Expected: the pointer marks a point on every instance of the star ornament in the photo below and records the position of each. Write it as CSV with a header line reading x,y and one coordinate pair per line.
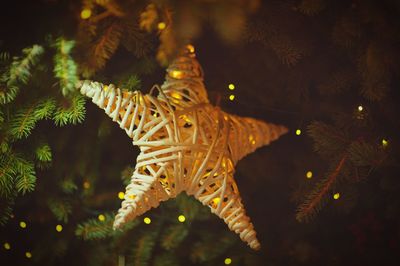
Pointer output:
x,y
186,144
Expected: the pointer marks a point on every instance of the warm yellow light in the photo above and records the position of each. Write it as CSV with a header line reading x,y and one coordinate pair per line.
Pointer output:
x,y
86,185
132,196
161,25
384,142
176,95
101,218
7,246
105,88
176,74
214,202
298,132
231,97
190,48
231,87
252,140
121,195
59,228
22,224
181,218
28,254
227,261
309,174
86,13
336,195
360,108
147,220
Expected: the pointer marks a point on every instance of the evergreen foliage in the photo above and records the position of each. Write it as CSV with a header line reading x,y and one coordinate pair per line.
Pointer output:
x,y
23,114
72,111
43,153
17,72
65,68
60,208
25,119
173,236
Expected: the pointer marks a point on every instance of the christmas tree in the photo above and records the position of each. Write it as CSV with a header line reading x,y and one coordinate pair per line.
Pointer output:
x,y
326,193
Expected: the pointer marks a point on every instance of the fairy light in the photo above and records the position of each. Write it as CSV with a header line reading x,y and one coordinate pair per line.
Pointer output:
x,y
227,261
336,196
176,95
132,196
231,97
121,195
231,87
216,201
176,74
161,25
252,140
147,220
101,217
86,185
7,246
181,218
360,108
190,48
86,13
28,254
309,174
59,228
385,142
298,132
22,224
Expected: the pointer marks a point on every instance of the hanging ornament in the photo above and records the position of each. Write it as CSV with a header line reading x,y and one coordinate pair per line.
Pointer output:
x,y
186,144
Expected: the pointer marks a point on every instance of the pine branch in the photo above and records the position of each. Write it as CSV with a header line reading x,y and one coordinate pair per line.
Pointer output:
x,y
135,40
328,140
7,92
211,247
94,229
6,210
43,153
20,69
65,68
24,121
149,17
314,200
60,208
363,154
126,175
173,236
337,82
4,56
144,248
103,49
68,186
25,179
166,259
7,174
132,83
18,73
72,113
190,207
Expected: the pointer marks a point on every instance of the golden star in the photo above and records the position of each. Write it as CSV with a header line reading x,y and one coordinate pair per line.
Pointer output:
x,y
186,144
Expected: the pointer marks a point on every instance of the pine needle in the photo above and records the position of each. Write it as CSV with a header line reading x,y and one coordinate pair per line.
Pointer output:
x,y
314,200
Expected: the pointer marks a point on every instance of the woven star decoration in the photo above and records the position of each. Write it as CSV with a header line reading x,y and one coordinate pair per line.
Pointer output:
x,y
186,144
